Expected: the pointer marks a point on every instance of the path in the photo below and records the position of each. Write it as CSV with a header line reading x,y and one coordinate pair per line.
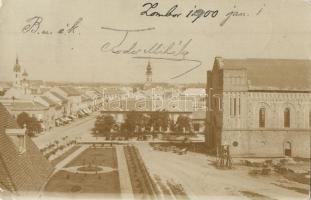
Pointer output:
x,y
69,158
125,182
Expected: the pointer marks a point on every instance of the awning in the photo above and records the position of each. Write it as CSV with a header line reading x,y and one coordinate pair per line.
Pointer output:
x,y
81,112
85,111
64,119
68,119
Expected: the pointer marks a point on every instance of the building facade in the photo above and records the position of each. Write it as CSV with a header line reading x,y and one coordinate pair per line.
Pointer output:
x,y
260,107
72,95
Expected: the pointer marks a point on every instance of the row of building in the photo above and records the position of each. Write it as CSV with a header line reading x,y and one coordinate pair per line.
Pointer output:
x,y
52,106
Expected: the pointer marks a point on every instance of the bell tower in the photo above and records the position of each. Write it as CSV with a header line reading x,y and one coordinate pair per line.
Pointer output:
x,y
148,75
17,79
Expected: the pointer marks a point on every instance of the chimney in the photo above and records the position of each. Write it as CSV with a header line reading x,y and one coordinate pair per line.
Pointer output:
x,y
18,136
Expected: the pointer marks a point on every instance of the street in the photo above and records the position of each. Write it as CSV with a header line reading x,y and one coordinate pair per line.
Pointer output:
x,y
78,128
200,178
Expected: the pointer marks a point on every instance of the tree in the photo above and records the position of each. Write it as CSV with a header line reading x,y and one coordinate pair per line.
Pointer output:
x,y
33,125
103,125
131,120
135,122
183,123
159,119
22,119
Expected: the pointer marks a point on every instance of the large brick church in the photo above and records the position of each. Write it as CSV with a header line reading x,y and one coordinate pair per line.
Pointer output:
x,y
260,107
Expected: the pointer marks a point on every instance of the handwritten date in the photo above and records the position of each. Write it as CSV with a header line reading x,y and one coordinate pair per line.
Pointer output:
x,y
152,10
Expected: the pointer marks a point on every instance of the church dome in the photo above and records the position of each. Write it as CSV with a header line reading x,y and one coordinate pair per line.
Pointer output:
x,y
25,73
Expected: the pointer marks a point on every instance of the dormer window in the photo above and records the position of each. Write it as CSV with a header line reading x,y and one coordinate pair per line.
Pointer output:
x,y
18,136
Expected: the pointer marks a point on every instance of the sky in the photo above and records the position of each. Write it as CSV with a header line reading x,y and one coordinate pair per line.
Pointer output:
x,y
268,29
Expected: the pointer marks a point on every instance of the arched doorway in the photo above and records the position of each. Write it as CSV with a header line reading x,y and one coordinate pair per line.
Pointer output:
x,y
287,149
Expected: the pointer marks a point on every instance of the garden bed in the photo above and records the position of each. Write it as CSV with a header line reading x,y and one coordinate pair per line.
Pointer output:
x,y
65,155
79,183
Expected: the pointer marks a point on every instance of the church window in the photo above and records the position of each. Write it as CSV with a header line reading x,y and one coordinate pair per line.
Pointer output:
x,y
286,118
231,106
234,106
239,106
262,117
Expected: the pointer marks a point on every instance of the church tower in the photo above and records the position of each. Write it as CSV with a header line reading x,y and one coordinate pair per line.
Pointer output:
x,y
24,79
17,79
148,75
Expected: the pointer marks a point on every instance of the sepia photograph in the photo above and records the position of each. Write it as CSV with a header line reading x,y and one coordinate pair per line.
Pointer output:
x,y
155,99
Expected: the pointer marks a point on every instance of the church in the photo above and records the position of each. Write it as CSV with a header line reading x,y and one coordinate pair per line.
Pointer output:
x,y
20,89
148,74
260,107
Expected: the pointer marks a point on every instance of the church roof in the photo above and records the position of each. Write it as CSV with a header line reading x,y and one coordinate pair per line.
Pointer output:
x,y
274,74
20,172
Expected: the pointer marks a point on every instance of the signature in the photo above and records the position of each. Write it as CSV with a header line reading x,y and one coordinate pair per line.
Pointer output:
x,y
34,25
175,49
172,51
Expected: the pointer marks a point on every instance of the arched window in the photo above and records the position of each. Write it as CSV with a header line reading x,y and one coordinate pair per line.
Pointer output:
x,y
286,118
262,117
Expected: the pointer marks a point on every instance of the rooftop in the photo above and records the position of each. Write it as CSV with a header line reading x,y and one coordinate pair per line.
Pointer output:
x,y
274,74
70,91
85,98
194,92
49,101
20,172
63,99
28,106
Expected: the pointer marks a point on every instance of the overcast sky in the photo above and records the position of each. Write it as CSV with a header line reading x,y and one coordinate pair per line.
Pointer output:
x,y
280,30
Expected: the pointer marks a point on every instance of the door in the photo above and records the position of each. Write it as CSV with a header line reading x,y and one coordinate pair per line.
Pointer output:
x,y
287,149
